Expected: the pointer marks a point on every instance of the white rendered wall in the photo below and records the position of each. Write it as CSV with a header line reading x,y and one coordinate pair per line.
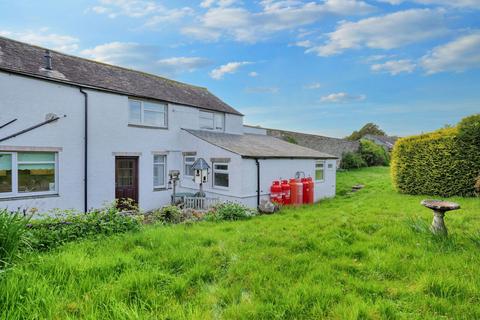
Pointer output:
x,y
29,101
206,151
276,169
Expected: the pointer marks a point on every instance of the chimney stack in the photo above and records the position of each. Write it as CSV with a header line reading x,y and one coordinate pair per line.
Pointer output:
x,y
48,60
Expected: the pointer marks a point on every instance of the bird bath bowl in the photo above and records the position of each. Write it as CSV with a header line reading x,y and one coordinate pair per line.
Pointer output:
x,y
439,208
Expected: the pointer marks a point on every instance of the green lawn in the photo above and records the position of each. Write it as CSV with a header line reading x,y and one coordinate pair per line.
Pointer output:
x,y
358,256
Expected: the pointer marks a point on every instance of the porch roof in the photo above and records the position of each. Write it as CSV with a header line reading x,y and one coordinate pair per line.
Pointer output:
x,y
258,146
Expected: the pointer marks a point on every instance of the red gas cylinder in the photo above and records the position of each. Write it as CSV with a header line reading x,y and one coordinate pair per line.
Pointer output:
x,y
276,192
311,197
306,190
296,192
286,192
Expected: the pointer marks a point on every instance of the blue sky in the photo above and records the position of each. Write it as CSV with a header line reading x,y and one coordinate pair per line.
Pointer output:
x,y
323,67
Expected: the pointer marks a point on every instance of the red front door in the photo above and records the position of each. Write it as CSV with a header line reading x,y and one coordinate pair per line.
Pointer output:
x,y
126,178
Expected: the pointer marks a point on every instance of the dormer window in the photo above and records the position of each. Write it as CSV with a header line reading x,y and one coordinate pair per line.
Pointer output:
x,y
212,121
147,113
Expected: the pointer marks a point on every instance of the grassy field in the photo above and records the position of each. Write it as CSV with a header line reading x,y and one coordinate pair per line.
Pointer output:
x,y
366,255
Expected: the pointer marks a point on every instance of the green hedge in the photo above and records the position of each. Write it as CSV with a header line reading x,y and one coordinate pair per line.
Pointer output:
x,y
443,163
373,154
352,160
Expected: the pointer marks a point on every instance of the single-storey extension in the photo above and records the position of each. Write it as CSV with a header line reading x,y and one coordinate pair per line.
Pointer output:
x,y
75,134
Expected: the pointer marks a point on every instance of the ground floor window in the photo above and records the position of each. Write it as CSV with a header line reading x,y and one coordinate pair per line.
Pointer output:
x,y
28,173
220,175
188,162
159,170
319,170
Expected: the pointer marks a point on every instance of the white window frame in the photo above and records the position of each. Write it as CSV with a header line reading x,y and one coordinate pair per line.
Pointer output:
x,y
322,162
215,170
15,193
213,116
142,114
185,163
164,163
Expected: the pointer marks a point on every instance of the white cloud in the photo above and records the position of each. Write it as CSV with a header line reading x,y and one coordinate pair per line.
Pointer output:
x,y
342,97
44,38
385,32
253,74
313,86
304,44
458,55
119,53
177,65
474,4
170,15
220,3
230,67
207,3
100,9
134,55
153,11
249,26
394,67
129,8
270,90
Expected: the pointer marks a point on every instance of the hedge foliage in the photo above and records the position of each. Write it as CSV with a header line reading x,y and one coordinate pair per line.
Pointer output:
x,y
373,154
369,154
352,160
443,163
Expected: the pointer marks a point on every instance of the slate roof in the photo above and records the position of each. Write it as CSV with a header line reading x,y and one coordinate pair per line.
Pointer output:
x,y
333,146
258,146
19,57
388,141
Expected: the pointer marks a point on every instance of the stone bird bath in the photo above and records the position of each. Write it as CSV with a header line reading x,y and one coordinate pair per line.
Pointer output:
x,y
439,208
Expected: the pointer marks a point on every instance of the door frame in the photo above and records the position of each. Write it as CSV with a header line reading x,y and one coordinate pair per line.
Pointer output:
x,y
137,175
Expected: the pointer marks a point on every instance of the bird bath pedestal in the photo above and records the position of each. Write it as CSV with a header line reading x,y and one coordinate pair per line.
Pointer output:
x,y
439,208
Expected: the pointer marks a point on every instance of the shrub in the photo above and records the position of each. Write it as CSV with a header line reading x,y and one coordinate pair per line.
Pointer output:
x,y
373,154
290,139
352,160
65,226
13,236
169,214
230,211
444,162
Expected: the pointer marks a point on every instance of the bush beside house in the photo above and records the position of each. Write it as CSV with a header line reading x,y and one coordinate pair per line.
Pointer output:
x,y
368,155
443,163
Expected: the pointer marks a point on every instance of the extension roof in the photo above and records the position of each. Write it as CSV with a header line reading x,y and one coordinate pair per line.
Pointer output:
x,y
26,59
258,146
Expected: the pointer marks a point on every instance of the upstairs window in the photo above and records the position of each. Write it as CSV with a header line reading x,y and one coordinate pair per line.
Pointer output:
x,y
28,173
212,121
319,170
147,113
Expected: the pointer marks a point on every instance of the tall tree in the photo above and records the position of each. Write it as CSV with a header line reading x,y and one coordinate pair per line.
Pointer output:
x,y
369,128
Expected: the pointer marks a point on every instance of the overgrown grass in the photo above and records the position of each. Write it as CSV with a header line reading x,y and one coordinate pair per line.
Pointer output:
x,y
366,255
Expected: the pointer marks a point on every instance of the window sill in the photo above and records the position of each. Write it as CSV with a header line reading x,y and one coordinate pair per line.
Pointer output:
x,y
160,189
53,195
221,188
146,126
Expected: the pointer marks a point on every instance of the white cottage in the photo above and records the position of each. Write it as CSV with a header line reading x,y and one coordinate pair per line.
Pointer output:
x,y
75,133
